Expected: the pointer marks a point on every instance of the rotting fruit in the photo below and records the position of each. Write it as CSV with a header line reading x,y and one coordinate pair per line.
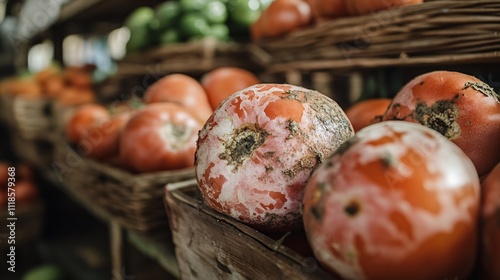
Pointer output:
x,y
256,152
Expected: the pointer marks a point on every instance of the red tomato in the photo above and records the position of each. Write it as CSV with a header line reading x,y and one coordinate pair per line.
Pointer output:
x,y
328,8
83,119
183,90
281,17
102,141
460,107
260,146
490,218
364,113
222,82
361,7
397,201
159,137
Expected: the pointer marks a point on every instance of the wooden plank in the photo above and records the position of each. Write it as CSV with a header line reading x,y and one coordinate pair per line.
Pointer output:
x,y
212,246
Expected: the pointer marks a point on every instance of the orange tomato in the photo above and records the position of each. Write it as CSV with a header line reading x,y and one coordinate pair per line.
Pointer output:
x,y
490,218
364,113
159,137
102,141
72,96
26,192
222,82
83,119
396,201
53,86
328,8
183,90
25,172
77,77
460,107
361,7
281,17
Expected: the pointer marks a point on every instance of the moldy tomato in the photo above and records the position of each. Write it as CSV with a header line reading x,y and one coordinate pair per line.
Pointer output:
x,y
460,107
159,137
258,149
397,201
490,218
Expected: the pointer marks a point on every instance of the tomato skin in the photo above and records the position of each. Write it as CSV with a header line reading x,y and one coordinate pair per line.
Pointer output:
x,y
26,192
361,7
395,199
490,223
83,119
183,90
258,149
364,113
459,106
328,8
159,137
4,175
281,17
102,141
220,83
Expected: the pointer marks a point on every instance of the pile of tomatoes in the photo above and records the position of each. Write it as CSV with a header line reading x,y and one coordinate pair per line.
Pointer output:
x,y
399,199
68,86
159,132
283,16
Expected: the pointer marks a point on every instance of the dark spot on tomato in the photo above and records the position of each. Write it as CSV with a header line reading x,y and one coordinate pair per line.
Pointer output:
x,y
352,208
484,89
346,145
387,160
316,213
269,154
293,127
241,145
441,117
421,83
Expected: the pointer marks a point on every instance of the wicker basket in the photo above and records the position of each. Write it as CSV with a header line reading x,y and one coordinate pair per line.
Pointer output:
x,y
39,151
435,32
135,201
210,245
30,117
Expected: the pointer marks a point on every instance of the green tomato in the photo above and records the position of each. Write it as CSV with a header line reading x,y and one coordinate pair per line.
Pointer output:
x,y
244,12
215,12
169,36
193,5
220,32
167,14
193,24
140,17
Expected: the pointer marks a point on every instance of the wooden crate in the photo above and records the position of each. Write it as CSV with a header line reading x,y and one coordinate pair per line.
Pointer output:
x,y
134,201
210,245
439,32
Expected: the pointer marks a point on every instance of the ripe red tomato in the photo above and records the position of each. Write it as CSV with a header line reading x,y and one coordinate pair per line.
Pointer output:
x,y
224,81
258,149
364,113
361,7
460,107
397,201
159,137
490,218
281,17
102,141
83,119
183,90
25,172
